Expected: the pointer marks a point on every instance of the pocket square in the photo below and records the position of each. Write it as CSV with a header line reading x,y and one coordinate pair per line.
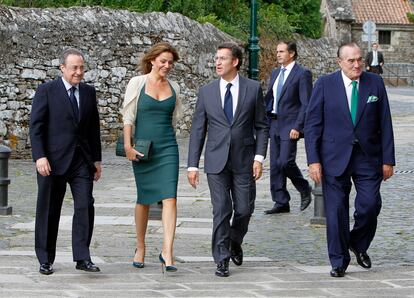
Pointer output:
x,y
372,98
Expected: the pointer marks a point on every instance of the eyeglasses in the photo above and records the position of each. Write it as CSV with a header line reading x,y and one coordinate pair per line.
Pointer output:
x,y
221,58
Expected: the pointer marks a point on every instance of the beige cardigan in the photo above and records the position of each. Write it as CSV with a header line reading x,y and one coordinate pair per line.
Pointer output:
x,y
131,97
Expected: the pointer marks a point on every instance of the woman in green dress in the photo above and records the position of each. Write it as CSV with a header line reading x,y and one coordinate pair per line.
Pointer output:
x,y
152,105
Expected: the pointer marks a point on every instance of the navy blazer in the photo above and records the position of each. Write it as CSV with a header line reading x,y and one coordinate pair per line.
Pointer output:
x,y
330,134
242,139
293,101
54,131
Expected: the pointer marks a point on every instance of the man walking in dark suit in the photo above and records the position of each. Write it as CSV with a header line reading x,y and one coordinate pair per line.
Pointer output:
x,y
348,136
374,60
231,111
287,98
66,146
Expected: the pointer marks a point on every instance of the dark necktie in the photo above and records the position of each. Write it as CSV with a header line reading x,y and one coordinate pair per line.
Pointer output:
x,y
228,104
354,101
74,102
279,87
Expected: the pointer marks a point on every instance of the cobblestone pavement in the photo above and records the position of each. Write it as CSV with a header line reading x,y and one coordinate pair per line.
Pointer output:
x,y
285,256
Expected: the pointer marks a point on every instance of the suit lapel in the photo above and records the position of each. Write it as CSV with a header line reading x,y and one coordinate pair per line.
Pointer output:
x,y
362,96
82,101
343,99
269,96
66,101
288,80
242,97
216,100
274,76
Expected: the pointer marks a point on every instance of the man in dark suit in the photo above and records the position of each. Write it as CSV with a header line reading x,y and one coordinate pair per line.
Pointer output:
x,y
348,136
374,60
290,87
232,111
66,146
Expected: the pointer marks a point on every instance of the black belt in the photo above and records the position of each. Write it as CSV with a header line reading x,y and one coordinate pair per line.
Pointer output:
x,y
272,116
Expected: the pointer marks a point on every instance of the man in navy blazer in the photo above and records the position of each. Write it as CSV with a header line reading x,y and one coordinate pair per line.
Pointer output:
x,y
349,136
290,87
66,146
231,112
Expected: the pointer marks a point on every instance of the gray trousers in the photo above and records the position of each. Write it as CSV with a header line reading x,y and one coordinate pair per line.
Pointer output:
x,y
230,193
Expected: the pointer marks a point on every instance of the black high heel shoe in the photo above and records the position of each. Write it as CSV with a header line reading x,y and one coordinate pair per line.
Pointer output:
x,y
137,264
170,268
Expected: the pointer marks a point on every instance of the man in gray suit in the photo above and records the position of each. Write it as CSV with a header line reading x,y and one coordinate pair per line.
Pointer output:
x,y
232,111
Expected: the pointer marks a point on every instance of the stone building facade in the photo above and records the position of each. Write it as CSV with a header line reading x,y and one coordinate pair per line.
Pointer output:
x,y
113,42
343,20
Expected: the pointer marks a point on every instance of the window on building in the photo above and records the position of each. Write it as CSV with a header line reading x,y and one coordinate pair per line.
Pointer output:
x,y
384,37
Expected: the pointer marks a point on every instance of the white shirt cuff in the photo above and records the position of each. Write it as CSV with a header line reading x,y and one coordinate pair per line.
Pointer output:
x,y
259,158
192,169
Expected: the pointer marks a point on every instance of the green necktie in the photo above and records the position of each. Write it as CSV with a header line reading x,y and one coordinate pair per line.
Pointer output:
x,y
354,101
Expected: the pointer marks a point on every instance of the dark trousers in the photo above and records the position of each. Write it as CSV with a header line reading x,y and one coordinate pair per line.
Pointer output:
x,y
51,191
375,69
367,181
282,166
231,194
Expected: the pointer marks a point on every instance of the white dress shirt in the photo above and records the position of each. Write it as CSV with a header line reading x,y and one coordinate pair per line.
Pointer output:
x,y
68,86
234,89
348,88
374,58
274,88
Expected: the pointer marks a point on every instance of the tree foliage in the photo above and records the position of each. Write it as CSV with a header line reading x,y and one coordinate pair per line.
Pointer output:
x,y
276,18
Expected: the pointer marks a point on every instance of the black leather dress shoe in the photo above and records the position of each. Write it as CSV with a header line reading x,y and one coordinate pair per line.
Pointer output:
x,y
87,266
46,269
337,272
362,258
305,199
236,253
223,269
280,209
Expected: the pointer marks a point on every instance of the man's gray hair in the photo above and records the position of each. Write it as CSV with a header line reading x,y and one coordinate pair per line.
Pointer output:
x,y
67,52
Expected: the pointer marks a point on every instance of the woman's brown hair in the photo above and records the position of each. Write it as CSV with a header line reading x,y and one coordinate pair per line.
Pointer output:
x,y
145,65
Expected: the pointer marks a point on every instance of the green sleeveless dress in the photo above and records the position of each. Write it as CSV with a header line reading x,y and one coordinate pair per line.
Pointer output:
x,y
157,178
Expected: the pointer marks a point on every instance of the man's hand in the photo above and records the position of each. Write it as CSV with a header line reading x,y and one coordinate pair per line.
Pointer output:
x,y
294,134
98,172
43,166
193,178
257,170
315,172
387,171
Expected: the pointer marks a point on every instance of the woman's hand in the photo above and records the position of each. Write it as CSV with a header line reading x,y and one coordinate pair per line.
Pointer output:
x,y
132,154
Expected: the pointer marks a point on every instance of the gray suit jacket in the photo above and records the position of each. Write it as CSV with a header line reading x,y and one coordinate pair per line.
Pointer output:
x,y
245,137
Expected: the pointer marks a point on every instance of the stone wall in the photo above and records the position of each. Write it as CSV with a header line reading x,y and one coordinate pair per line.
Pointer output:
x,y
113,42
402,42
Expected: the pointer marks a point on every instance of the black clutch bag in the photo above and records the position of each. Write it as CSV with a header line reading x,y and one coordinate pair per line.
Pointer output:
x,y
141,145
